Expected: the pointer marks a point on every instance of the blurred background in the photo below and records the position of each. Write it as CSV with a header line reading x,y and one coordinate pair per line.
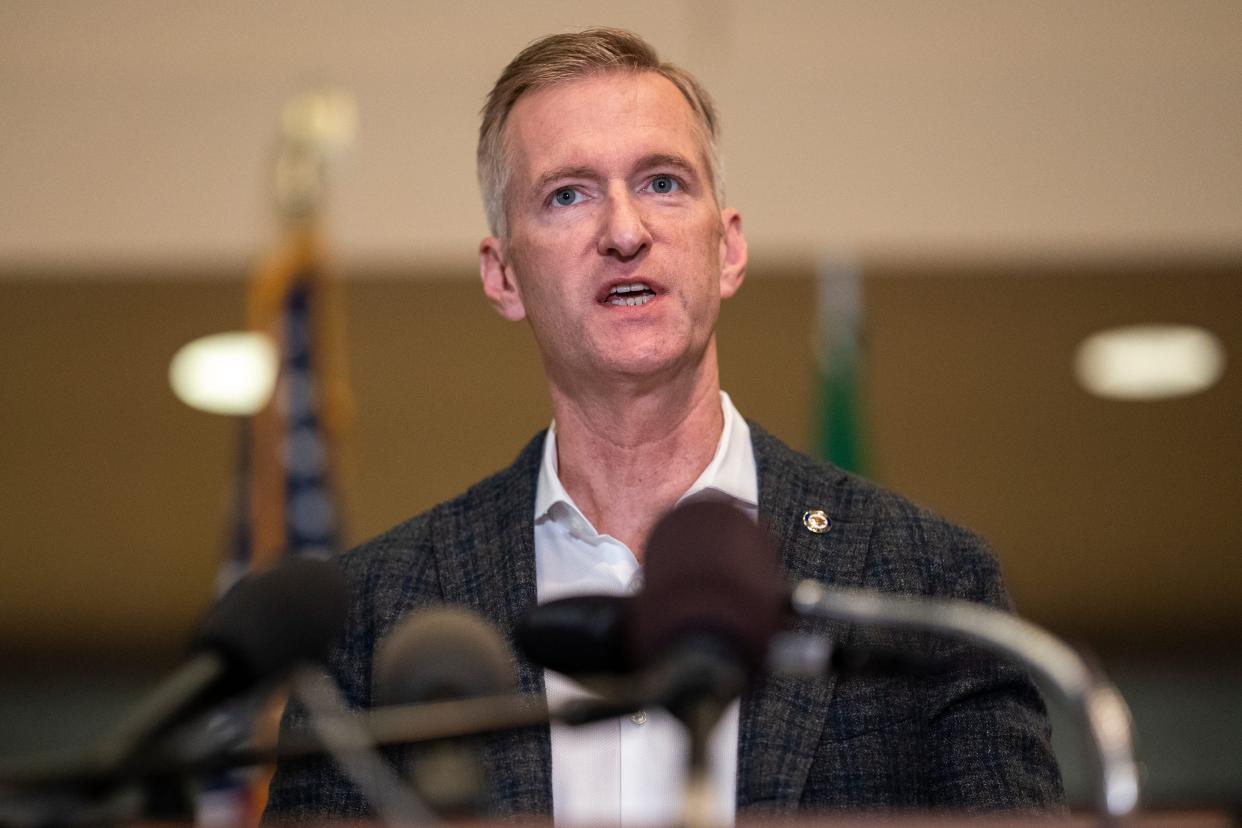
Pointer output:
x,y
944,201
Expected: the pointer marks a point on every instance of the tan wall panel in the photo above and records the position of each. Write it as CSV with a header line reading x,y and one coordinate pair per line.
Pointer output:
x,y
1116,522
115,496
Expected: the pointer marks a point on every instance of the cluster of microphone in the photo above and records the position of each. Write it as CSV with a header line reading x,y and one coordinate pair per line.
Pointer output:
x,y
712,618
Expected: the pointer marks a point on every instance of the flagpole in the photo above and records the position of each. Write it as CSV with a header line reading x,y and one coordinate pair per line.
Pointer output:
x,y
297,439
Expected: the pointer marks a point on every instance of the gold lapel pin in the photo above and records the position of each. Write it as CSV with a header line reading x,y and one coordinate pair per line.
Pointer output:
x,y
817,521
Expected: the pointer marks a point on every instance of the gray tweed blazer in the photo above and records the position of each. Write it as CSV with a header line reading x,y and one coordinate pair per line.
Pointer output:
x,y
974,739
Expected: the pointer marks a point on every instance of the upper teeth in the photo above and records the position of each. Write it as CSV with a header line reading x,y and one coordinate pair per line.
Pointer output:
x,y
630,288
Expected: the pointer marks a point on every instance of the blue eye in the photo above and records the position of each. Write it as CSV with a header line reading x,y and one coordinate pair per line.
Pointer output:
x,y
565,197
663,184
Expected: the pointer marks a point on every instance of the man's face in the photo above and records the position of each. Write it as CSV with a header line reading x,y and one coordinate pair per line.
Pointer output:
x,y
617,251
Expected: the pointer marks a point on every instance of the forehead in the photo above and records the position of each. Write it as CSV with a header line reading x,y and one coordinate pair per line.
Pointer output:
x,y
602,121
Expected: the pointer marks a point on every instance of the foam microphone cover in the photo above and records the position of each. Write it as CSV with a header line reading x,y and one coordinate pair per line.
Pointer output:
x,y
710,572
441,654
273,620
582,635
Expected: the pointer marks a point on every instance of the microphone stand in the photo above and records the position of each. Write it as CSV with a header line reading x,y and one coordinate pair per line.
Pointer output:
x,y
696,682
1099,706
350,738
354,751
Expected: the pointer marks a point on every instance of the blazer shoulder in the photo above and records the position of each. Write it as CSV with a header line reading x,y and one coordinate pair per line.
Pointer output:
x,y
913,548
787,473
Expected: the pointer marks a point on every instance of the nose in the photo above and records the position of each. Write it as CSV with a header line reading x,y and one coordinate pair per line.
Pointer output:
x,y
624,233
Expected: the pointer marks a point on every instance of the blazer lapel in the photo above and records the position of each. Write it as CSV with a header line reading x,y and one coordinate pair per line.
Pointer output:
x,y
783,717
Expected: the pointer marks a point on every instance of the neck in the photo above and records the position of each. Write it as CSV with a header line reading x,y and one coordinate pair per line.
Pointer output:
x,y
627,452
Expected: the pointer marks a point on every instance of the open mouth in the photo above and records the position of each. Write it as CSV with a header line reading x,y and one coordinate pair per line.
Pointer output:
x,y
634,293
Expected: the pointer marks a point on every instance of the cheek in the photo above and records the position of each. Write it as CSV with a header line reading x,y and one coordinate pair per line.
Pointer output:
x,y
703,235
524,265
538,259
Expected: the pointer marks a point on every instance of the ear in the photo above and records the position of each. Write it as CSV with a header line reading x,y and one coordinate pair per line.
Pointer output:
x,y
499,285
733,254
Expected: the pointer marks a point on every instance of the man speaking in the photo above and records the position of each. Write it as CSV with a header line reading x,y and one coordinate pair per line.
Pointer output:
x,y
602,183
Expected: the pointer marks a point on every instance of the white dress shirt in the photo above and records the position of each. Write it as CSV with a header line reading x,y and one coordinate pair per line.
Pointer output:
x,y
628,771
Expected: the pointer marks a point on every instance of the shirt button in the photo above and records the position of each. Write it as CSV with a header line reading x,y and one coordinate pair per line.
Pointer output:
x,y
639,718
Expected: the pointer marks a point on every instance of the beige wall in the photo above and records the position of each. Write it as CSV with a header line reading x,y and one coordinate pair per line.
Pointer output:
x,y
139,131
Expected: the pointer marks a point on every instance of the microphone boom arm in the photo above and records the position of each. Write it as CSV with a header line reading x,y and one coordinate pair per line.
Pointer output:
x,y
1084,690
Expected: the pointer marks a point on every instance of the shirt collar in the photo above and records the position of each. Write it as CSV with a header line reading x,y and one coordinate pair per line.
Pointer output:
x,y
730,473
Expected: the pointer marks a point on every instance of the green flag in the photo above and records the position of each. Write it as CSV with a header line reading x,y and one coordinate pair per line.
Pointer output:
x,y
840,422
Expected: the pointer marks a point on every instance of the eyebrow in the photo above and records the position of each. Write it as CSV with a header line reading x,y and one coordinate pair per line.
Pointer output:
x,y
661,159
658,159
557,174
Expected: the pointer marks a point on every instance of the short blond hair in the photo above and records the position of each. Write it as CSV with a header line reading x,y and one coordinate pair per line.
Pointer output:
x,y
561,58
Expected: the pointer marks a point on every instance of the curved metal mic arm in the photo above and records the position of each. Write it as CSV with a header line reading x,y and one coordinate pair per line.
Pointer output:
x,y
1084,690
354,751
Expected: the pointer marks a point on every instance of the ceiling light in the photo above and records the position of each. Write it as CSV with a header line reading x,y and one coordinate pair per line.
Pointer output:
x,y
226,373
1149,362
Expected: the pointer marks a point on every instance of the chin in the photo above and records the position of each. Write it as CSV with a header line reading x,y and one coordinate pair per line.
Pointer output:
x,y
644,364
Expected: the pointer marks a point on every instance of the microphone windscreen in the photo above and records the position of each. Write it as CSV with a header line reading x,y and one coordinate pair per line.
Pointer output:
x,y
441,654
272,620
581,635
709,570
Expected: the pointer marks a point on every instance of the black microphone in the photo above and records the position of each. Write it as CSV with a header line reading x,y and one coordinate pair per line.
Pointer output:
x,y
583,635
442,654
255,634
711,573
445,654
274,620
587,637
